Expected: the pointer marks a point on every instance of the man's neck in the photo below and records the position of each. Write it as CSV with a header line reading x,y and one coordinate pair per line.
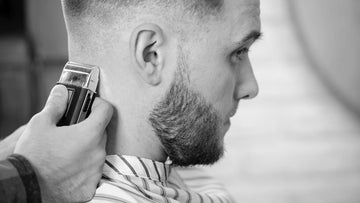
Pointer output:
x,y
129,133
133,142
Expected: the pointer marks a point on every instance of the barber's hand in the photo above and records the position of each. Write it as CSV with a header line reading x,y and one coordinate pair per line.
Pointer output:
x,y
68,160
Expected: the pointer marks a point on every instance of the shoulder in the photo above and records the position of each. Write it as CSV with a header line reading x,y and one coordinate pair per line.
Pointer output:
x,y
191,172
198,180
107,193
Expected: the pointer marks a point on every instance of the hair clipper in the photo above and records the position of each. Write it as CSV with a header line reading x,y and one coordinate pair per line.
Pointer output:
x,y
81,81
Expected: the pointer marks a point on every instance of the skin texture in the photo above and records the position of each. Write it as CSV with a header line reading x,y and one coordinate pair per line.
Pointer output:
x,y
139,65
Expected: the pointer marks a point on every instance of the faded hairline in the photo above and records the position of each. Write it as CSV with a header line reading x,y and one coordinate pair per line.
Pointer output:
x,y
77,9
98,20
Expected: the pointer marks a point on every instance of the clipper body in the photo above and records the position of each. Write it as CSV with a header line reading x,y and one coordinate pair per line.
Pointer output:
x,y
81,80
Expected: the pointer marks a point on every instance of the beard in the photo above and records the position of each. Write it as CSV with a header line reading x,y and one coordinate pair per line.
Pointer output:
x,y
186,124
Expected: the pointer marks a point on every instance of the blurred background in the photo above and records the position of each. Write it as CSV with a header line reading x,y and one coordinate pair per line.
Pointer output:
x,y
298,141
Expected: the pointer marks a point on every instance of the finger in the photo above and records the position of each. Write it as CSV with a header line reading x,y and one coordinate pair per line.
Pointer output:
x,y
100,116
56,104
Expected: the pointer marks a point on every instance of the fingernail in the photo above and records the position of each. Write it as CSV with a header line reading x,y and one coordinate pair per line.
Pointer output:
x,y
58,90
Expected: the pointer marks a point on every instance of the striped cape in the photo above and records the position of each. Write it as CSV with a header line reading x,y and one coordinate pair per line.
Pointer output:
x,y
133,179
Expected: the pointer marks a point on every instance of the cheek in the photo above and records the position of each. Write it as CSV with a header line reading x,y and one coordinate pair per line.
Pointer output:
x,y
216,83
221,93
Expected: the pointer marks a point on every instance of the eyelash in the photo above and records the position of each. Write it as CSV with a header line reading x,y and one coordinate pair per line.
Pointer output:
x,y
239,53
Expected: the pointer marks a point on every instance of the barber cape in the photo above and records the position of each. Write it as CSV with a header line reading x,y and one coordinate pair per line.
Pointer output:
x,y
133,179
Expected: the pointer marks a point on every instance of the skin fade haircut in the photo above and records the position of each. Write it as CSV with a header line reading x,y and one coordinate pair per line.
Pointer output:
x,y
187,125
199,8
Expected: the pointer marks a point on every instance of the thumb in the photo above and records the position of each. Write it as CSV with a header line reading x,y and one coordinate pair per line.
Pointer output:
x,y
56,103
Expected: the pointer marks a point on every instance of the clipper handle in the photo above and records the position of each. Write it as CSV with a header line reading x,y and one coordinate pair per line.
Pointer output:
x,y
78,106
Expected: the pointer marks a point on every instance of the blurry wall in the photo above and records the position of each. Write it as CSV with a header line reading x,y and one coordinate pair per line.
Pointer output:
x,y
329,32
31,59
47,28
47,31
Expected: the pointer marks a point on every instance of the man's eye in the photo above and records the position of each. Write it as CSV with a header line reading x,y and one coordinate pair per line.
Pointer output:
x,y
241,52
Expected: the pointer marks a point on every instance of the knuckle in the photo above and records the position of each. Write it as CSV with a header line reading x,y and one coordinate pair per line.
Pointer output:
x,y
109,109
88,196
85,193
97,102
84,197
88,192
104,106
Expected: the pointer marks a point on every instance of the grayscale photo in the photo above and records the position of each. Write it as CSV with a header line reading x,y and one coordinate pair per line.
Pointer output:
x,y
179,101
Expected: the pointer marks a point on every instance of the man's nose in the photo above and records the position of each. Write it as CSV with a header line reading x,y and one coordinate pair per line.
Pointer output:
x,y
246,85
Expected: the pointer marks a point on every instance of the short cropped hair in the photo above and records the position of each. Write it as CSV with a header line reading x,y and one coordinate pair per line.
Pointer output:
x,y
199,8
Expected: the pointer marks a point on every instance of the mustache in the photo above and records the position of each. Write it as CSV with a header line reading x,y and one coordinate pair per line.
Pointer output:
x,y
233,110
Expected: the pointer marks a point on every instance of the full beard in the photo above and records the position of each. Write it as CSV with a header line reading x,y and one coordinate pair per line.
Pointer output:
x,y
186,124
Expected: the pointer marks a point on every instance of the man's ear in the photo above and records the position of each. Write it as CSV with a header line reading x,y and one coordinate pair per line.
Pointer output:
x,y
147,50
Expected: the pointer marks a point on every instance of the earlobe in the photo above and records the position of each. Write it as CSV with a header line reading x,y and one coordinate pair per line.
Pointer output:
x,y
147,40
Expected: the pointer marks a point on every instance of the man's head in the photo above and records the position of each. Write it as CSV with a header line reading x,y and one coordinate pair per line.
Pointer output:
x,y
174,70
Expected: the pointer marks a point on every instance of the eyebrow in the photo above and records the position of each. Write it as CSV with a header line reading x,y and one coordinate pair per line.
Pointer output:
x,y
253,35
